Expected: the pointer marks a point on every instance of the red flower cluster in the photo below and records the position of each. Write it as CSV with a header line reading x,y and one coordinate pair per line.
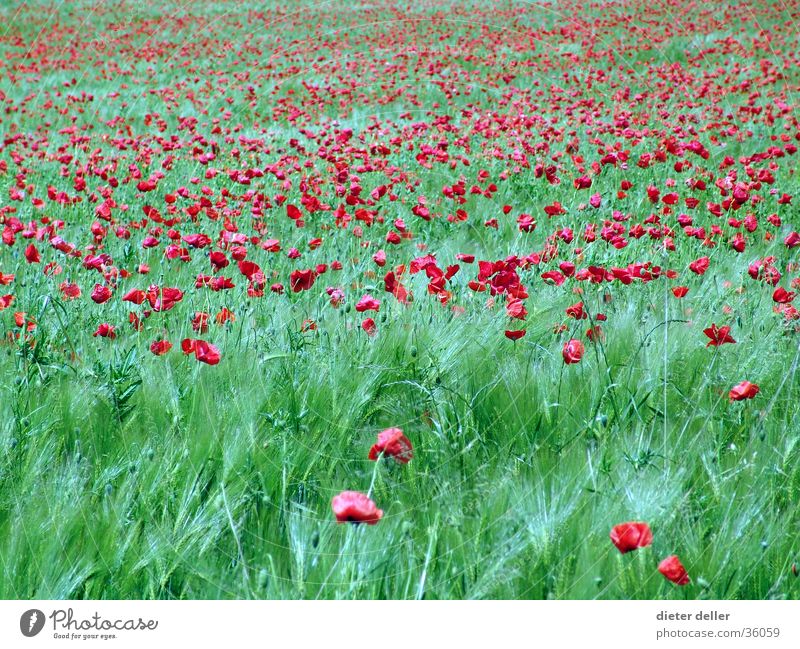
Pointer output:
x,y
633,535
398,175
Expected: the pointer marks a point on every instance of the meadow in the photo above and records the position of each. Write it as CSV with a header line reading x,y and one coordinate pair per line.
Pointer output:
x,y
554,243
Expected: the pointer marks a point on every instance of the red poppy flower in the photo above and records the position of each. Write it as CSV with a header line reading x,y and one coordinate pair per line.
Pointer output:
x,y
197,240
203,351
160,347
21,319
70,291
336,295
718,335
136,321
218,260
673,569
200,321
164,299
595,333
515,334
225,315
293,212
516,309
631,536
355,507
744,390
680,291
250,269
554,276
271,245
368,325
573,351
32,254
135,295
302,280
700,266
368,303
576,311
105,330
101,293
392,443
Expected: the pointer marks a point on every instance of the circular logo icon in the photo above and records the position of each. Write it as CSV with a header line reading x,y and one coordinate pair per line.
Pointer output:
x,y
31,622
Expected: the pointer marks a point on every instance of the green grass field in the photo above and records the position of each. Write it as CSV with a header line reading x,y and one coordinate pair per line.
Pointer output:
x,y
124,474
